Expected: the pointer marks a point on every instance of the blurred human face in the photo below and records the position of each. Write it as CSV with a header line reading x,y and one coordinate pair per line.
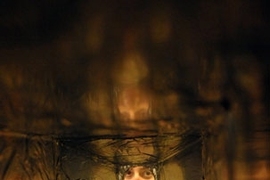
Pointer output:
x,y
139,173
134,103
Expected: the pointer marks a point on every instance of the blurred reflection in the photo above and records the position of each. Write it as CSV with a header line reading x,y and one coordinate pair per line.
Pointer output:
x,y
133,104
134,90
133,100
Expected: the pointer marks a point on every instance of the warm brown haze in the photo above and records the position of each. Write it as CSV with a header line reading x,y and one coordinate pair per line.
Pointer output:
x,y
134,89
